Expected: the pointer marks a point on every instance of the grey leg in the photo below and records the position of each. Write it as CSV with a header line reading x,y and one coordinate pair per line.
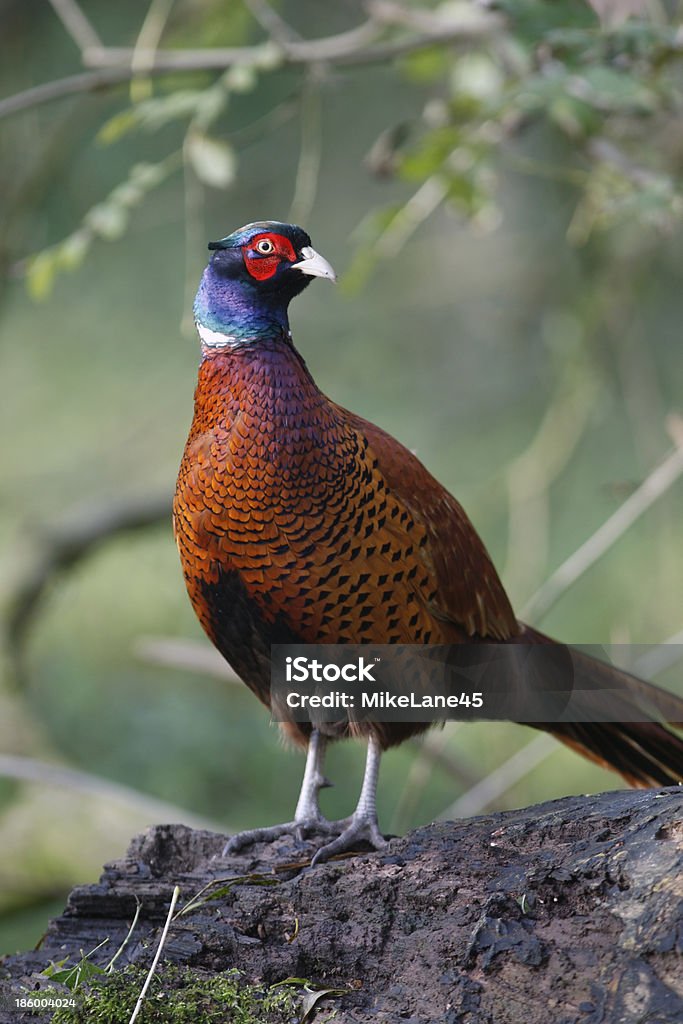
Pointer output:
x,y
307,817
363,824
307,807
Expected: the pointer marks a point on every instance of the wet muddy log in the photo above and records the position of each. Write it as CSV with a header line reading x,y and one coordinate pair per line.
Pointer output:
x,y
569,911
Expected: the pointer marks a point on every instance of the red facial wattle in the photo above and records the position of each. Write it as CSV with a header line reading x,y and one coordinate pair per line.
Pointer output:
x,y
262,265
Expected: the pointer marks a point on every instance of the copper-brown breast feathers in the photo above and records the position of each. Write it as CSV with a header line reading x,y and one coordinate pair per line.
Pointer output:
x,y
332,524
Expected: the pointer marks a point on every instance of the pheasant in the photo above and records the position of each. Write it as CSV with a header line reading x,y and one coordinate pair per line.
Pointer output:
x,y
299,522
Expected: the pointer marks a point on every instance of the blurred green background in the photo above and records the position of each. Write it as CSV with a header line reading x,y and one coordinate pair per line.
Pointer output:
x,y
516,322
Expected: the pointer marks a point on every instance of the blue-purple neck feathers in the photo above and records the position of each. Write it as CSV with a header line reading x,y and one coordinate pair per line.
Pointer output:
x,y
235,307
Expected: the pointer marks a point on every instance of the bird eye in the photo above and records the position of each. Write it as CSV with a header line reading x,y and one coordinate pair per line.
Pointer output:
x,y
265,247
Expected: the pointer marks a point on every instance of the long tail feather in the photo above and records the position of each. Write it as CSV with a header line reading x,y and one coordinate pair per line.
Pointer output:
x,y
646,753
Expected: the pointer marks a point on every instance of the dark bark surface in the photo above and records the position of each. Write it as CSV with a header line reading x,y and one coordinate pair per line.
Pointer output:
x,y
570,911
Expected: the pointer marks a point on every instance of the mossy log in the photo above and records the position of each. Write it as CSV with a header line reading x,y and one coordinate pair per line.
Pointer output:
x,y
570,911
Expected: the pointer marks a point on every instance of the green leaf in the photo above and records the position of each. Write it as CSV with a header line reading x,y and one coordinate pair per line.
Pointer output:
x,y
428,157
572,116
73,977
82,971
40,274
426,65
213,161
108,220
147,176
612,90
478,76
117,126
153,114
533,18
73,250
240,78
54,966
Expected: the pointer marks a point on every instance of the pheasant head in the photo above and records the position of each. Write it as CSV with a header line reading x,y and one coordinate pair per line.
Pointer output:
x,y
251,278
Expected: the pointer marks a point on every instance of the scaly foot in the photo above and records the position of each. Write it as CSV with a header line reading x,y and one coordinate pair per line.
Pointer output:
x,y
347,832
356,829
362,826
297,829
307,816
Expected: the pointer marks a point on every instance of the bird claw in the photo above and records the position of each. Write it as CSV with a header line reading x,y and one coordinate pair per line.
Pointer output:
x,y
354,830
361,827
297,829
348,833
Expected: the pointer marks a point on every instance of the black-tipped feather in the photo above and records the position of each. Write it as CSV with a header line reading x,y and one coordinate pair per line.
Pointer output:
x,y
646,753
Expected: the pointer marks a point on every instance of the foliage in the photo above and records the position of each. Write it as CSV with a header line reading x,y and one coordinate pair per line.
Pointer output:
x,y
73,976
107,220
605,90
552,69
180,995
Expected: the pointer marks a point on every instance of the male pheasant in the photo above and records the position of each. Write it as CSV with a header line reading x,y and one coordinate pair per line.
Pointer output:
x,y
299,522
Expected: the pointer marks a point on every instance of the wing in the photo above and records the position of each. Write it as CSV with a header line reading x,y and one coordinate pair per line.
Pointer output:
x,y
469,593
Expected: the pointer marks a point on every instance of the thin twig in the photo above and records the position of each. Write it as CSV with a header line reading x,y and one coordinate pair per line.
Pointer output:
x,y
412,214
76,24
146,46
502,779
60,88
138,908
661,657
221,884
530,475
155,961
186,656
339,49
604,151
72,541
431,753
310,154
269,20
28,769
472,19
657,483
113,64
193,224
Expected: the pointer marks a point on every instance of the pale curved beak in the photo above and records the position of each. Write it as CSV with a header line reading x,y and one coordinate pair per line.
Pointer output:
x,y
314,264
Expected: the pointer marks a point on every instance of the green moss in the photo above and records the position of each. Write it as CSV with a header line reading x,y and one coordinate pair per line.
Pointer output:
x,y
178,995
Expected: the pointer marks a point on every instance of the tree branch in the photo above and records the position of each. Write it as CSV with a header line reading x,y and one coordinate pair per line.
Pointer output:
x,y
503,778
43,773
67,545
530,475
657,483
310,153
269,20
146,45
113,65
661,657
72,85
76,24
186,656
